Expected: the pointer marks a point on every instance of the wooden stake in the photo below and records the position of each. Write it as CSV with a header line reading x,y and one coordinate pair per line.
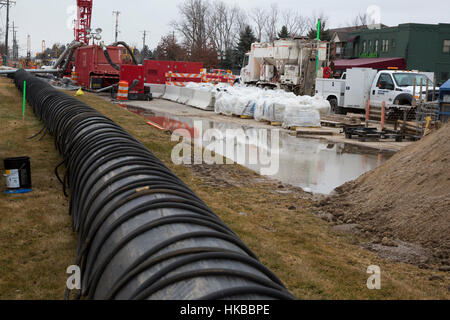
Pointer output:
x,y
367,113
420,95
24,98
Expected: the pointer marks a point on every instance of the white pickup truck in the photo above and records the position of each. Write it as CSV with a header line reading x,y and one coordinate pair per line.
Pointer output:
x,y
358,85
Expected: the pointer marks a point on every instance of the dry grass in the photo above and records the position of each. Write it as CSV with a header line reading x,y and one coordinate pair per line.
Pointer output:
x,y
37,244
36,239
303,250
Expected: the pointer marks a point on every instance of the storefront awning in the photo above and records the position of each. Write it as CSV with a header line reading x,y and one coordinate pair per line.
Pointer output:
x,y
375,63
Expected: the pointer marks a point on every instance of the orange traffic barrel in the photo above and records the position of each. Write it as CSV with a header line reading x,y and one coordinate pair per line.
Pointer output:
x,y
75,76
122,94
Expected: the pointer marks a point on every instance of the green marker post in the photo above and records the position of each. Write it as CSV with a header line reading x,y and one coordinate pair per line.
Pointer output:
x,y
318,40
24,97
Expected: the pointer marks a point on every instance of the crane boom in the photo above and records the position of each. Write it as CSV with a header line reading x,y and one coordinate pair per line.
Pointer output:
x,y
83,22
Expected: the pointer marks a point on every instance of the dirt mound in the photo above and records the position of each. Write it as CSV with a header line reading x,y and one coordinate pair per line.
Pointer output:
x,y
407,198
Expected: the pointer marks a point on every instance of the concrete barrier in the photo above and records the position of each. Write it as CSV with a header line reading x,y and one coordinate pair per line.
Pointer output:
x,y
203,99
172,93
157,90
186,94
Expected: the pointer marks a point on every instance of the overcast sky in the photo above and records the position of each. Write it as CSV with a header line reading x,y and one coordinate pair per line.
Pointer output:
x,y
49,19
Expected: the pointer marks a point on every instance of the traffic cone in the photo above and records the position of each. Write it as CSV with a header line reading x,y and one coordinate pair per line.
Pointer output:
x,y
79,93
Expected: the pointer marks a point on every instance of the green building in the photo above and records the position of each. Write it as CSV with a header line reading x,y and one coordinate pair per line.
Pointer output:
x,y
425,47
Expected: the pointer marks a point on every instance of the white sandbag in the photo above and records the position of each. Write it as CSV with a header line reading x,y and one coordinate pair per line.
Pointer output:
x,y
244,106
224,103
274,111
172,93
218,105
259,109
321,104
157,90
249,109
301,116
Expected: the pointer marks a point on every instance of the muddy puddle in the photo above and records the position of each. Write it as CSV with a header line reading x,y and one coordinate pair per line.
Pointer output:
x,y
314,165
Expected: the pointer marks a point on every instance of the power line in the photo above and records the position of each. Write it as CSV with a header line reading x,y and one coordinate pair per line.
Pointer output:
x,y
8,4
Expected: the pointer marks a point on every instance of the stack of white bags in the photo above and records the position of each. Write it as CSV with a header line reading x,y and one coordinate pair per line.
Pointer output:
x,y
271,105
261,104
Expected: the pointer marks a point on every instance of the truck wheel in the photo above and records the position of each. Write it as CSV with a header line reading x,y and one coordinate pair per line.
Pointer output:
x,y
335,108
333,104
404,99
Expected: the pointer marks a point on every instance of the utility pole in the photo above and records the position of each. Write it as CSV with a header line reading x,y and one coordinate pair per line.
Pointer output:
x,y
117,24
28,48
144,38
15,48
7,3
44,47
144,52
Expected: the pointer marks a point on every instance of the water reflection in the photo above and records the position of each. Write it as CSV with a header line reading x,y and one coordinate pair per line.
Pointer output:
x,y
314,165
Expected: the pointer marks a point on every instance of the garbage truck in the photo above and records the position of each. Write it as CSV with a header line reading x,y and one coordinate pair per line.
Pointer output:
x,y
288,64
358,86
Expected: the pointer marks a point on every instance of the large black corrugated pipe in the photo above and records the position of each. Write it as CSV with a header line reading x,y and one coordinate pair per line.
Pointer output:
x,y
142,233
108,58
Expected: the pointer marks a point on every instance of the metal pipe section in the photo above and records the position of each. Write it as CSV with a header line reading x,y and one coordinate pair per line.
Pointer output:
x,y
36,71
68,52
142,233
103,89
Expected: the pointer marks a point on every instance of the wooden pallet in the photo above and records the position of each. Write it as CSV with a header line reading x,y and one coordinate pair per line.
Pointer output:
x,y
338,121
411,127
330,123
246,117
305,131
275,123
294,128
360,116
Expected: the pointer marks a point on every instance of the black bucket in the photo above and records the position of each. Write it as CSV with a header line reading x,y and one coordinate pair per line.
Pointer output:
x,y
18,173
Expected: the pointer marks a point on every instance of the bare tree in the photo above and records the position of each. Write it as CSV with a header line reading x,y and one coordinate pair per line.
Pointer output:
x,y
169,49
312,21
312,25
223,30
259,17
295,23
359,20
271,25
192,23
242,21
